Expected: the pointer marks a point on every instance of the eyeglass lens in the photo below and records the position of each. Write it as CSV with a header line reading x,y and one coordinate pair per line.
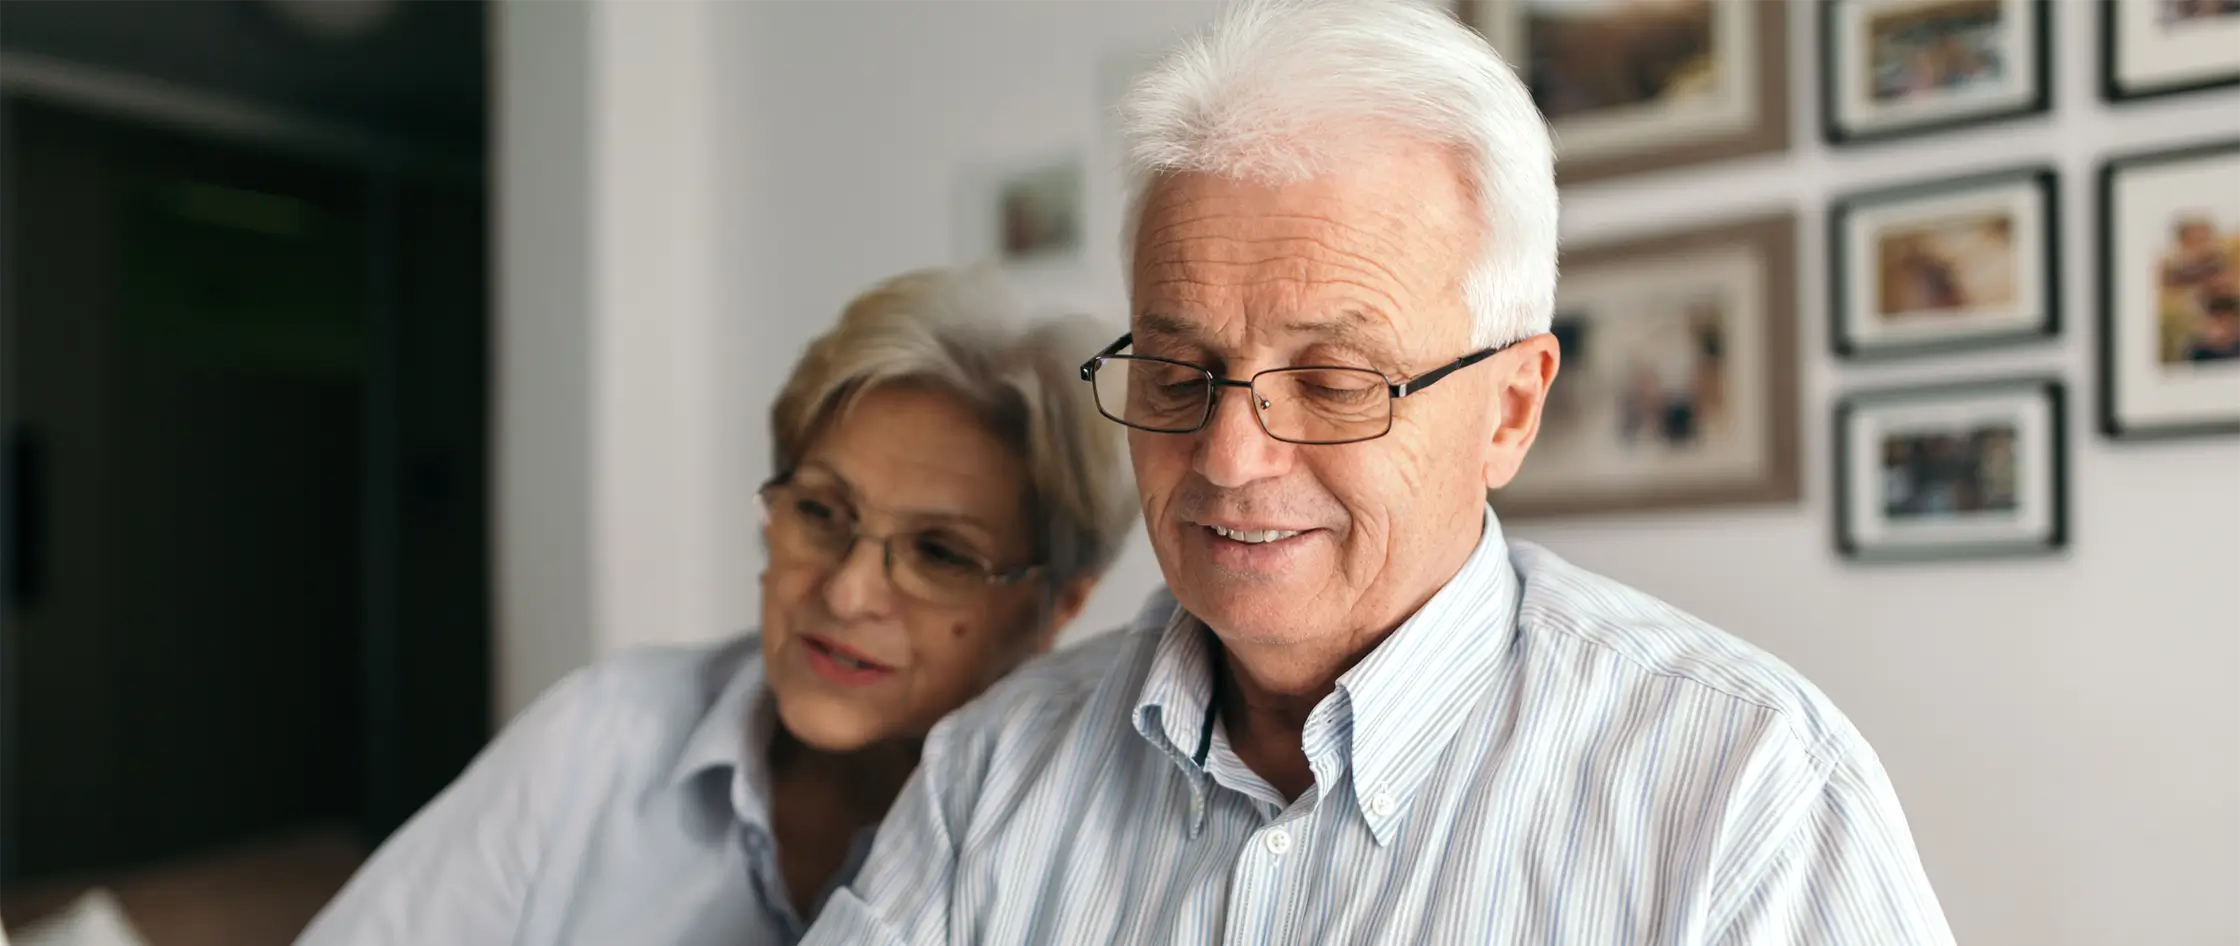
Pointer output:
x,y
1309,404
817,527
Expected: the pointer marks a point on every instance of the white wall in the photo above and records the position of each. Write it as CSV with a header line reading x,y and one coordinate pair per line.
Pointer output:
x,y
541,383
2062,731
620,517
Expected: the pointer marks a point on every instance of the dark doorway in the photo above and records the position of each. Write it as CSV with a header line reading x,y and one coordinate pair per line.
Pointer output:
x,y
244,381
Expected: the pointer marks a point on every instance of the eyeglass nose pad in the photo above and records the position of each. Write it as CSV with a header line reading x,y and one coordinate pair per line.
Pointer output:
x,y
1264,403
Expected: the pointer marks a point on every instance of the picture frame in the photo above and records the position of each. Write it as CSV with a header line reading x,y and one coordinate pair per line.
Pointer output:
x,y
1026,215
1946,265
1968,470
1678,382
1726,95
1899,68
2168,47
2170,292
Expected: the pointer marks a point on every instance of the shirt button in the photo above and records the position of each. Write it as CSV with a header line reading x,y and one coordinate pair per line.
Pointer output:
x,y
1380,804
1279,842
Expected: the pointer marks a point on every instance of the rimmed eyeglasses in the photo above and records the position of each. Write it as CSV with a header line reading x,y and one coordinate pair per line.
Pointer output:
x,y
1307,404
815,525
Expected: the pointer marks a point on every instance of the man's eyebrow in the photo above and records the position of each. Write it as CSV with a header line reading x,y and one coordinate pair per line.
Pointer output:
x,y
1160,323
1348,327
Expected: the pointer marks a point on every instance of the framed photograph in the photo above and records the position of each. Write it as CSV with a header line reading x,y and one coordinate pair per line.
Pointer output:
x,y
1905,67
2165,47
1970,470
1678,386
1631,86
1026,215
2170,279
1943,266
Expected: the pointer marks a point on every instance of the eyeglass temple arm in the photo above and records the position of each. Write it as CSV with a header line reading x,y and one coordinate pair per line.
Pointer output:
x,y
1412,385
1089,368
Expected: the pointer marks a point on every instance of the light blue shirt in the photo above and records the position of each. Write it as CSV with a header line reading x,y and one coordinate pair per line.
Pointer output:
x,y
630,804
1540,755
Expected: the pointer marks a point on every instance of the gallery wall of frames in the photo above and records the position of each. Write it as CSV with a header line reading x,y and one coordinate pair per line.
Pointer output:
x,y
1682,350
1679,382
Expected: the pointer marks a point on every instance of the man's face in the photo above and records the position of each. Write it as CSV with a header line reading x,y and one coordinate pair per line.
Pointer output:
x,y
1360,269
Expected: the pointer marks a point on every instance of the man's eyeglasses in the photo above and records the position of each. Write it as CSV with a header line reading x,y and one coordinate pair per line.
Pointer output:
x,y
815,526
1307,404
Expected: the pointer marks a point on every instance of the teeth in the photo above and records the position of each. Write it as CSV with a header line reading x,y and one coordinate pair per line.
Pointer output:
x,y
1253,536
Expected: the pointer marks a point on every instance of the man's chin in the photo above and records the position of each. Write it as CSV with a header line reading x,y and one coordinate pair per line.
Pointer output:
x,y
1249,609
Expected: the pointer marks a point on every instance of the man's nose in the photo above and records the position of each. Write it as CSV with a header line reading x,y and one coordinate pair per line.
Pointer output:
x,y
1233,449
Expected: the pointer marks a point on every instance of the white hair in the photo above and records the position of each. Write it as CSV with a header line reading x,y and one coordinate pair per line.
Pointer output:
x,y
1286,90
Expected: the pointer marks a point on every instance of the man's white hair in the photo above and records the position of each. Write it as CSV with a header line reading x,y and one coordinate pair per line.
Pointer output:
x,y
1288,90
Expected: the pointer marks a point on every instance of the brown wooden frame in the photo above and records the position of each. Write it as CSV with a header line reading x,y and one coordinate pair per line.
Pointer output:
x,y
1770,134
1773,238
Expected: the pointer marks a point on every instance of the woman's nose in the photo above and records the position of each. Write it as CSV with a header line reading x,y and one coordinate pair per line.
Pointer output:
x,y
858,586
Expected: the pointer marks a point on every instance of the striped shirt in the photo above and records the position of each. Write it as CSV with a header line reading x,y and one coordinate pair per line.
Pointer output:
x,y
1539,755
631,804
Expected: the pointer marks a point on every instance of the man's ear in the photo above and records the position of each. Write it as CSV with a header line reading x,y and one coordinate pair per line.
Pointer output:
x,y
1063,610
1525,373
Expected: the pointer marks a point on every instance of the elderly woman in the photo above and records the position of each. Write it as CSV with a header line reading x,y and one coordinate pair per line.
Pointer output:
x,y
945,500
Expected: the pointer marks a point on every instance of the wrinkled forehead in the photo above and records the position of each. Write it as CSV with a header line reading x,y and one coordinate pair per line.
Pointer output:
x,y
1375,257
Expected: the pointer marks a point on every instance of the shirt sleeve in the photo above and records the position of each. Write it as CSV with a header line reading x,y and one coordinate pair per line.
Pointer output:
x,y
1844,872
907,890
458,872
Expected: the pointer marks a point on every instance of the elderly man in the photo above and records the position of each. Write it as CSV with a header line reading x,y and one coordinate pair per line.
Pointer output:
x,y
1358,713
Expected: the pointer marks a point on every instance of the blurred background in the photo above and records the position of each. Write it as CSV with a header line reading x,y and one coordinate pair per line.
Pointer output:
x,y
367,365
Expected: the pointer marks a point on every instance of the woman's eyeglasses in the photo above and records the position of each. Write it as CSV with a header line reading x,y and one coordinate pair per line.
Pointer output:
x,y
814,526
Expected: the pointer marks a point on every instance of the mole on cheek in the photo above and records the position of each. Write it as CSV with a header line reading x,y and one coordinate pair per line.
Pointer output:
x,y
957,630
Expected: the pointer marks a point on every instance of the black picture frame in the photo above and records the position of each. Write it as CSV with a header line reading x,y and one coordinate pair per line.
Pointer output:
x,y
2113,420
2053,452
2112,86
2042,179
1832,126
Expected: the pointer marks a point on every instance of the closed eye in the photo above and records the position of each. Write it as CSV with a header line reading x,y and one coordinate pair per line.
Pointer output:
x,y
939,551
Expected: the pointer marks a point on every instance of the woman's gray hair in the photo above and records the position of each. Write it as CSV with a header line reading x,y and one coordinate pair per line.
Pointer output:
x,y
961,332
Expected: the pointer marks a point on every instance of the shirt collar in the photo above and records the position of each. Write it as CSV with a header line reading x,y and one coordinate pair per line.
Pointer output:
x,y
1397,709
1404,702
735,735
1174,709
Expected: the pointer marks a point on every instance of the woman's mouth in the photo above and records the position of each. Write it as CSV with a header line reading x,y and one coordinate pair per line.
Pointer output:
x,y
841,664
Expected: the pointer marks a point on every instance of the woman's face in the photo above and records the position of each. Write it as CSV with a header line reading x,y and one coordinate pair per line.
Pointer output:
x,y
852,654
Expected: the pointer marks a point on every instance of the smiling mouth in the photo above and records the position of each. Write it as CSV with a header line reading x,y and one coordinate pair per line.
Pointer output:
x,y
842,655
1253,536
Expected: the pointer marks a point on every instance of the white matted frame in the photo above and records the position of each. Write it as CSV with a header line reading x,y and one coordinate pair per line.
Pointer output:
x,y
2154,378
1743,111
1970,470
2145,53
1869,59
1990,242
